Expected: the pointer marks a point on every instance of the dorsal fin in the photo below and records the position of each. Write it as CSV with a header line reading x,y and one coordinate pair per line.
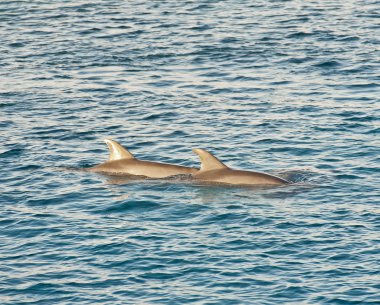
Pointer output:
x,y
117,151
208,161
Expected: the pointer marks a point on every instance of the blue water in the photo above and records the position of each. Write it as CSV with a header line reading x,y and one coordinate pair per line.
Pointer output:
x,y
286,87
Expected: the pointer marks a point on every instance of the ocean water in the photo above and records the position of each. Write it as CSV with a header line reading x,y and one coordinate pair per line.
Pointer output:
x,y
285,87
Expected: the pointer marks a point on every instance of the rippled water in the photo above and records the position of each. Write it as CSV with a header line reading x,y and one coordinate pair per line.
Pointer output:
x,y
286,87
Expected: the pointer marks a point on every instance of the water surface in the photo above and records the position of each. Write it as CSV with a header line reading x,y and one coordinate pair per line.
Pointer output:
x,y
286,87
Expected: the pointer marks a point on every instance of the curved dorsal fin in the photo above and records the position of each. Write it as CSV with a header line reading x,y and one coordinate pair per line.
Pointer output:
x,y
208,161
117,151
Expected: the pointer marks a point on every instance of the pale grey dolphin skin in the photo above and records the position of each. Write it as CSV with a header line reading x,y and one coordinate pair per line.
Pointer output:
x,y
122,162
212,170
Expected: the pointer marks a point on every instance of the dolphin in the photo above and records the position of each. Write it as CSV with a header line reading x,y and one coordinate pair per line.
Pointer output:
x,y
122,162
212,170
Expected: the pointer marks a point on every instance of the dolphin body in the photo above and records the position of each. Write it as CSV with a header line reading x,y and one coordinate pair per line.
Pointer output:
x,y
122,162
212,170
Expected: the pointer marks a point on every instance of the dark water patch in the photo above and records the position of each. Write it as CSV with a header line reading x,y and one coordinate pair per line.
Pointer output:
x,y
347,177
214,74
360,118
29,167
6,123
15,152
17,45
163,115
363,86
299,35
310,109
300,19
349,113
232,40
130,206
90,31
373,131
178,133
328,64
245,78
162,83
279,83
43,131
